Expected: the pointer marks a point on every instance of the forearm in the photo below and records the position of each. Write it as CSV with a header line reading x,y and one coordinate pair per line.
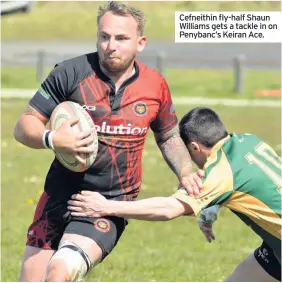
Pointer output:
x,y
29,131
176,155
152,209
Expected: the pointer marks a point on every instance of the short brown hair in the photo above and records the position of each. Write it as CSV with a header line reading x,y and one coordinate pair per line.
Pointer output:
x,y
117,8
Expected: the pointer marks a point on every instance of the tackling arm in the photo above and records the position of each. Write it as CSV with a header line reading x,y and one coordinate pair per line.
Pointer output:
x,y
152,209
93,204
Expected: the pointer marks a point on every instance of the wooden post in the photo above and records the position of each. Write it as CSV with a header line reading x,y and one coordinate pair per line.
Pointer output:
x,y
160,62
40,76
239,73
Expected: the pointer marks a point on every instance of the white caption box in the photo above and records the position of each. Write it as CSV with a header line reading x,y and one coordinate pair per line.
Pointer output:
x,y
228,27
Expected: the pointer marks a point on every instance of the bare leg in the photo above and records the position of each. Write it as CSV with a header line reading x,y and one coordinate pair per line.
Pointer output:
x,y
57,269
249,270
35,261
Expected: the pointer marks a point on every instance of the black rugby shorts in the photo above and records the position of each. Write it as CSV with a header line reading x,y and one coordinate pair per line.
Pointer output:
x,y
52,220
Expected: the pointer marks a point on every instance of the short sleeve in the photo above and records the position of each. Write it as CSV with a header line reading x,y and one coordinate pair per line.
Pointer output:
x,y
166,118
55,89
217,184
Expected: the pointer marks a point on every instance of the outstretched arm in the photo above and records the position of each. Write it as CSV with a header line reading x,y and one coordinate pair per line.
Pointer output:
x,y
93,204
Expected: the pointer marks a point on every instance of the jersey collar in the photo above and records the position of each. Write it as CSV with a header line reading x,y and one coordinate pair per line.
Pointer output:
x,y
219,144
106,79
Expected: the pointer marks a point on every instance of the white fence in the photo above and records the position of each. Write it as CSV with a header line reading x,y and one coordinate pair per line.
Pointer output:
x,y
181,100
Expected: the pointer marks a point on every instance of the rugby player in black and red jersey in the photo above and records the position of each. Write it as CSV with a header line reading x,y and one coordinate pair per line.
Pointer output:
x,y
125,99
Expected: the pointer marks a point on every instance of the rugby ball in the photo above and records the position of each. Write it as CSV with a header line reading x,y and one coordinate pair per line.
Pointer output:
x,y
68,110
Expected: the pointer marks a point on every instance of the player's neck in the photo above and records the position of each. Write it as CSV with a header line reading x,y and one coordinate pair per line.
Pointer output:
x,y
119,78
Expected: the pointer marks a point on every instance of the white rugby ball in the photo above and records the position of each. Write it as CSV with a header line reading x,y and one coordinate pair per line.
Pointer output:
x,y
68,110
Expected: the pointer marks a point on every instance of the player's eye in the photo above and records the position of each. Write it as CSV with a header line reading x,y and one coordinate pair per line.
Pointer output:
x,y
104,36
122,38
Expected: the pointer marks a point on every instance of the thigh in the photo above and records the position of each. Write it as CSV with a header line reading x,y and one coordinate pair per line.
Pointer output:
x,y
50,219
102,235
43,237
35,261
249,270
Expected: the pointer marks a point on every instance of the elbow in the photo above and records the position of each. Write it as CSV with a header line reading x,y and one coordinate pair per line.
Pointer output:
x,y
18,133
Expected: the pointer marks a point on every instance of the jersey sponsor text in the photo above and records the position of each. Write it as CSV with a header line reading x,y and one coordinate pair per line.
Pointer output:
x,y
121,129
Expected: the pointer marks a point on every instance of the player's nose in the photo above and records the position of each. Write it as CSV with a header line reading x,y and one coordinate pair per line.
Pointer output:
x,y
112,44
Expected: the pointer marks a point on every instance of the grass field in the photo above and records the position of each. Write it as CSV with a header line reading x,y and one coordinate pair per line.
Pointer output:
x,y
169,251
76,20
190,82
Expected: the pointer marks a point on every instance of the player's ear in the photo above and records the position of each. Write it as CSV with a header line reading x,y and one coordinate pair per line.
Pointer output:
x,y
194,146
141,43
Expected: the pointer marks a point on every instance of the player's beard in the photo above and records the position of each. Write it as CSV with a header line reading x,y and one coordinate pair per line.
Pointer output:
x,y
117,66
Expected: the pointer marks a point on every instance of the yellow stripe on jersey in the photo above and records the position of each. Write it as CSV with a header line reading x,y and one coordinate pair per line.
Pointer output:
x,y
218,182
257,211
213,156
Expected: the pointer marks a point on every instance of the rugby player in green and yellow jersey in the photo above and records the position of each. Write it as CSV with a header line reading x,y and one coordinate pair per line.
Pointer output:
x,y
242,173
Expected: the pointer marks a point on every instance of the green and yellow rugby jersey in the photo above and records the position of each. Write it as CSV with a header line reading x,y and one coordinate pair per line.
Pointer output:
x,y
244,174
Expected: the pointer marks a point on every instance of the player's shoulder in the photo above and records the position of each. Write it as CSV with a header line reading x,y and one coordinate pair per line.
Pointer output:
x,y
239,144
81,65
245,137
218,154
150,74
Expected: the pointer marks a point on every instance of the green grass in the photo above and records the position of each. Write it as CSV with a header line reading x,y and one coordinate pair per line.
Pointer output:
x,y
170,251
220,83
190,82
77,20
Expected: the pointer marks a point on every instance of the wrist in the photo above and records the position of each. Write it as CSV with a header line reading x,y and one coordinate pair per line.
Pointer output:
x,y
185,172
111,208
47,139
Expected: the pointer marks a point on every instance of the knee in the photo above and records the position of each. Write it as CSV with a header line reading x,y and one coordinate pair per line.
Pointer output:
x,y
69,263
57,272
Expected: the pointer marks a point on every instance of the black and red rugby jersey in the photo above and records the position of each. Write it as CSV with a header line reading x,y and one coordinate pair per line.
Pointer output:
x,y
122,121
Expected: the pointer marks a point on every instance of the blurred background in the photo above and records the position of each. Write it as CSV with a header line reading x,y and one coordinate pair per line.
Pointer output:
x,y
37,35
242,82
